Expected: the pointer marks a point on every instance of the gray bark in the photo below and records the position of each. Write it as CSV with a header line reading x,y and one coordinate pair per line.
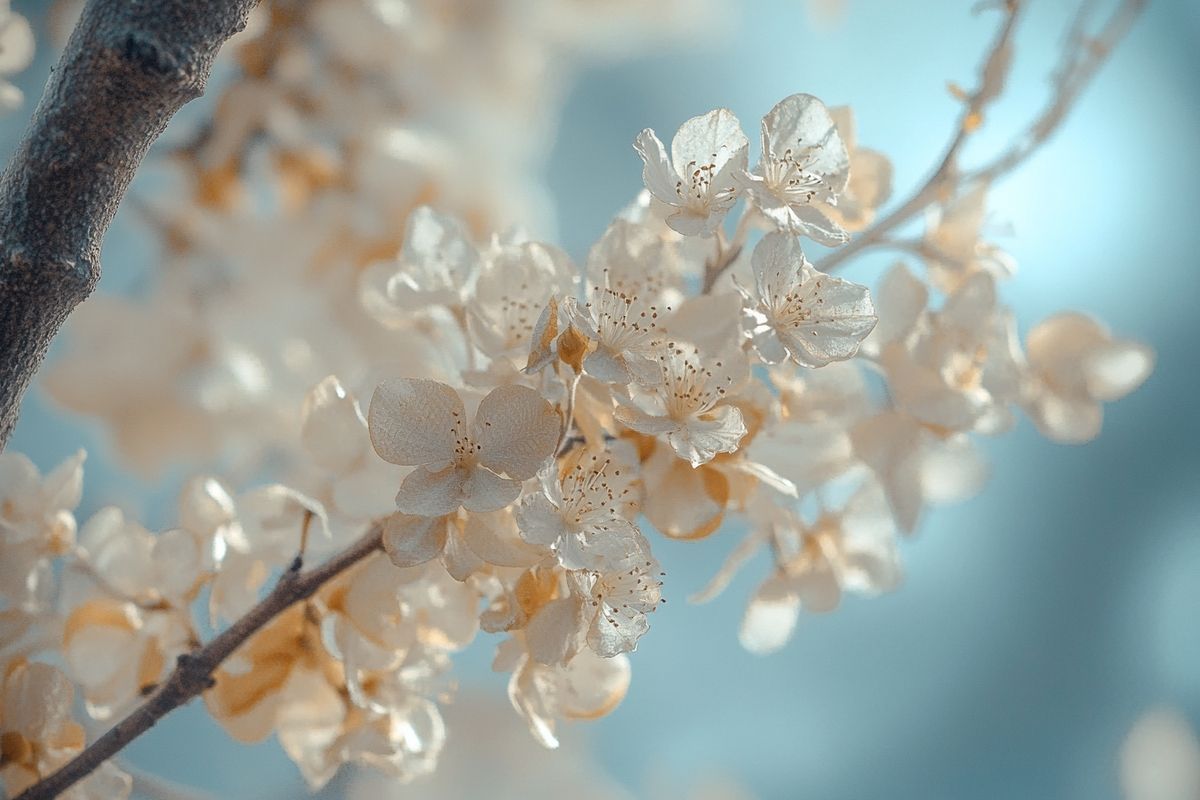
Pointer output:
x,y
128,67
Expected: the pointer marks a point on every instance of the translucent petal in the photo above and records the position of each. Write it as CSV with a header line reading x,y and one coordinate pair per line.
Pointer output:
x,y
553,630
715,138
636,419
415,421
410,540
333,431
484,490
770,618
899,301
801,123
617,633
432,494
657,173
594,686
718,431
516,430
889,444
495,539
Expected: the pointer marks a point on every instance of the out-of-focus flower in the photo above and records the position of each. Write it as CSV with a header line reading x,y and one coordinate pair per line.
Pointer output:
x,y
1160,758
587,687
1075,365
37,734
851,550
870,182
16,53
36,525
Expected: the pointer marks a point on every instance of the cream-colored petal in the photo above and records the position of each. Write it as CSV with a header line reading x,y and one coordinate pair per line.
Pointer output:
x,y
770,618
410,540
431,494
516,430
485,491
415,422
333,432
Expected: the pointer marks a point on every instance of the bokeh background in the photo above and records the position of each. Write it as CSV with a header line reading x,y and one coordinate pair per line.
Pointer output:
x,y
1037,621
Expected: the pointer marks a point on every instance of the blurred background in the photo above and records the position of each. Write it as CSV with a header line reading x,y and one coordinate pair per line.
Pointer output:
x,y
1037,622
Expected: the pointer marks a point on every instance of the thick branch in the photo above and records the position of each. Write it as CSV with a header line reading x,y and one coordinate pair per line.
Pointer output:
x,y
193,672
128,67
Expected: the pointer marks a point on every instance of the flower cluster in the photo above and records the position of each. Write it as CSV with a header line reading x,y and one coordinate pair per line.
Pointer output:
x,y
512,429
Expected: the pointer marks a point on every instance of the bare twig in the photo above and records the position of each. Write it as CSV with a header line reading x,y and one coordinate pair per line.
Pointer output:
x,y
992,73
193,671
126,70
1082,57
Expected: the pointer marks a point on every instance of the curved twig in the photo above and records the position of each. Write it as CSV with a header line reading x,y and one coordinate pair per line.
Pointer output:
x,y
193,671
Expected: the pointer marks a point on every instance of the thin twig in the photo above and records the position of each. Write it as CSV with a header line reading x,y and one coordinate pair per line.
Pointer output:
x,y
1082,57
968,123
193,671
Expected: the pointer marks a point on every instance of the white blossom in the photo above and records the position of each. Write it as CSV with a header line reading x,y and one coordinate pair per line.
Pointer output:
x,y
1075,365
804,164
579,514
802,314
423,423
698,179
687,406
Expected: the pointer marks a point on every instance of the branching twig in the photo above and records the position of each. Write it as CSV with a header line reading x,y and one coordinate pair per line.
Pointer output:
x,y
992,73
126,70
1082,56
193,671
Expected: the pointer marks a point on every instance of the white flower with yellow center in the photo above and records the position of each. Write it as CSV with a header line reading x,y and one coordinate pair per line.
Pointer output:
x,y
802,314
422,423
579,515
698,179
803,162
687,404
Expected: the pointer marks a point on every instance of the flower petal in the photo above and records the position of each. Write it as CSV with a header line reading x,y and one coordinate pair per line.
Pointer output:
x,y
770,618
415,421
516,430
431,494
484,491
410,540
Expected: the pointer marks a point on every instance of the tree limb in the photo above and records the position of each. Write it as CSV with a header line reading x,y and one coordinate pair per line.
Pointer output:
x,y
128,67
1083,55
193,671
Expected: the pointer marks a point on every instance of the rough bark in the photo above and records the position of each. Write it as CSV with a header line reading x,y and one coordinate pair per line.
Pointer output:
x,y
128,67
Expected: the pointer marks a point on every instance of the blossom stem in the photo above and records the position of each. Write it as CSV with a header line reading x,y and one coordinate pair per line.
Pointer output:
x,y
727,251
568,418
193,671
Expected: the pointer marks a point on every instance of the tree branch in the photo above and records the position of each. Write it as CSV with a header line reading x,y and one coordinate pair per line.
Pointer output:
x,y
193,671
128,67
992,74
1082,57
